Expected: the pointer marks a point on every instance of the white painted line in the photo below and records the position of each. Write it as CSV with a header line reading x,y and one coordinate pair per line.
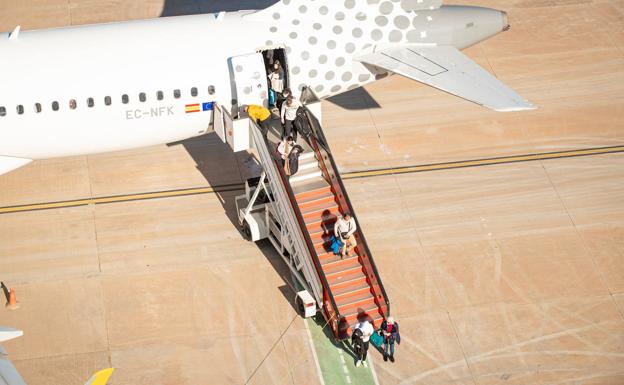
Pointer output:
x,y
372,367
348,380
342,359
316,361
365,364
344,369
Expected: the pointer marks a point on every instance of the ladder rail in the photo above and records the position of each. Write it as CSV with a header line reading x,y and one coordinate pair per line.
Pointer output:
x,y
300,240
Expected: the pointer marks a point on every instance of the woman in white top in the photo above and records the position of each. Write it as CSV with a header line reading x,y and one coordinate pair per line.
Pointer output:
x,y
289,114
344,228
276,79
284,148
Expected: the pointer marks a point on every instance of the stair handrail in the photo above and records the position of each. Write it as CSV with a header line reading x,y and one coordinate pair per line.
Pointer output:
x,y
319,143
330,306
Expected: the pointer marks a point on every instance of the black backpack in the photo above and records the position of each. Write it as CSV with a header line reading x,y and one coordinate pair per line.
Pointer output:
x,y
301,122
356,340
293,159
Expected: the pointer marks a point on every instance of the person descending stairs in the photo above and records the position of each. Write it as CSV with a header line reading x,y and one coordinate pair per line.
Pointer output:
x,y
320,209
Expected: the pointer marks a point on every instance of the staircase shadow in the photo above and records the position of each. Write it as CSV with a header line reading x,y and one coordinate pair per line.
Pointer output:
x,y
212,157
344,345
196,7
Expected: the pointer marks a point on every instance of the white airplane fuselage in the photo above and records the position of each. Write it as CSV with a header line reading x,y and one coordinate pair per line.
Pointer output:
x,y
89,64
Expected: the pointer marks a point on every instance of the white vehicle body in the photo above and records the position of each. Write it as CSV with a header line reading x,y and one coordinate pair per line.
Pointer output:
x,y
332,46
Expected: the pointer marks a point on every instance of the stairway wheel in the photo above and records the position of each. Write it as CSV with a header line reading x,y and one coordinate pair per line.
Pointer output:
x,y
299,305
246,231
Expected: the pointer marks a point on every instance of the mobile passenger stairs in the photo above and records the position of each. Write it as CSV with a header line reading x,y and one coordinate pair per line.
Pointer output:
x,y
296,214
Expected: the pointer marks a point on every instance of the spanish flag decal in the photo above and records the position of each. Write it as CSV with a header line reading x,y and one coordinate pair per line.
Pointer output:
x,y
192,108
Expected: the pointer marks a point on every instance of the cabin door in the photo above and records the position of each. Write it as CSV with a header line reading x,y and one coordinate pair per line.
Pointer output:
x,y
249,81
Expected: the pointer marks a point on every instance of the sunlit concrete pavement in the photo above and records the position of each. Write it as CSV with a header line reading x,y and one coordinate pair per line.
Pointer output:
x,y
506,274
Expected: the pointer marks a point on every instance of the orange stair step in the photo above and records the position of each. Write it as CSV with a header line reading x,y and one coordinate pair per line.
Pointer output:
x,y
313,200
322,247
340,270
362,299
335,260
302,196
317,222
357,306
320,227
340,281
372,312
371,309
353,288
319,234
325,256
322,212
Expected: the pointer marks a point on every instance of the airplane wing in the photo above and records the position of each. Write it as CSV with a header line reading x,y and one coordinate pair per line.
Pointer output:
x,y
8,373
446,68
10,376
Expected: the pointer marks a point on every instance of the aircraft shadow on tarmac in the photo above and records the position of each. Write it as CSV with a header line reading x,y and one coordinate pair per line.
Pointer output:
x,y
356,99
195,7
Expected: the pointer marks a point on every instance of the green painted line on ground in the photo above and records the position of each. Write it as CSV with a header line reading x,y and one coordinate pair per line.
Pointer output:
x,y
329,351
331,354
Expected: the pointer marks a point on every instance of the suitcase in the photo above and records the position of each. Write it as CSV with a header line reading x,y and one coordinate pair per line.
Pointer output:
x,y
376,339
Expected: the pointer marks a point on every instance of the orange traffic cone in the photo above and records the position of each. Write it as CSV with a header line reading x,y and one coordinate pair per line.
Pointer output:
x,y
12,304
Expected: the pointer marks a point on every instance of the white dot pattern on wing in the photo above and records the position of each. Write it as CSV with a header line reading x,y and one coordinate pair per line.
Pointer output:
x,y
320,34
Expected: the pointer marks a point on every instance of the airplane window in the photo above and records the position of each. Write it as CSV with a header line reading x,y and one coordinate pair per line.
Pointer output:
x,y
142,97
194,91
20,109
90,102
37,107
108,101
211,90
55,106
125,99
2,111
73,104
177,94
160,95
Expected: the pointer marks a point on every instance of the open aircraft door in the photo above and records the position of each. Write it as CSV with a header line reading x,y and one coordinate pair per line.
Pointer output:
x,y
249,81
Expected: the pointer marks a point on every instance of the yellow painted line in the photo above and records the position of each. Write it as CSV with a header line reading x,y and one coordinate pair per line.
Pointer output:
x,y
119,198
482,162
349,175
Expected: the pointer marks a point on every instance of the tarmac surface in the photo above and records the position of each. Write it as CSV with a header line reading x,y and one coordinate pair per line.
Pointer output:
x,y
508,272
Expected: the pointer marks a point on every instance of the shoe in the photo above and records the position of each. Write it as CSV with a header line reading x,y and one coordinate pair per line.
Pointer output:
x,y
358,363
392,358
385,357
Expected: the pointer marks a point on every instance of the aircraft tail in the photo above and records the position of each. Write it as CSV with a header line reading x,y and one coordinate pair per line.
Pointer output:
x,y
101,377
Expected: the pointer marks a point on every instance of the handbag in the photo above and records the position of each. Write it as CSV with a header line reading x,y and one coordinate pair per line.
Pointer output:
x,y
376,339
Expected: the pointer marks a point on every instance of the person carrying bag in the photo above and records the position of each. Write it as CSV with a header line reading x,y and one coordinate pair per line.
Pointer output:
x,y
284,148
390,334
